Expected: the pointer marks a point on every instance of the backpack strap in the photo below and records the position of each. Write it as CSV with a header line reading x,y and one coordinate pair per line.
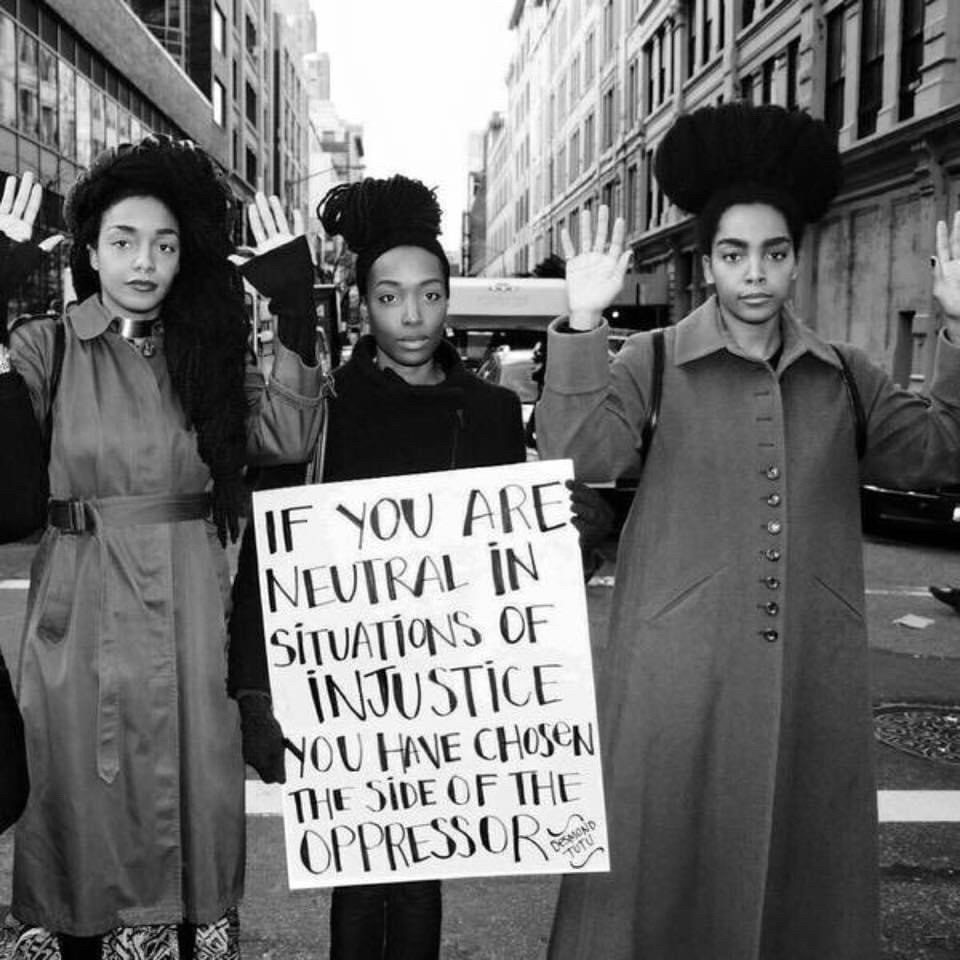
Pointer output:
x,y
59,348
856,402
656,394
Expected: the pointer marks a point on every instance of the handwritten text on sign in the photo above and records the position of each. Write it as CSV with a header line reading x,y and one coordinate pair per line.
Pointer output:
x,y
429,659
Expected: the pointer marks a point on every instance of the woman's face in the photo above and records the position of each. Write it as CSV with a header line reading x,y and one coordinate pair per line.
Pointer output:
x,y
137,256
752,263
407,305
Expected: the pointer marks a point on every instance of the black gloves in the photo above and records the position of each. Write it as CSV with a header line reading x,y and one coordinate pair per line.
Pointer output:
x,y
592,515
262,736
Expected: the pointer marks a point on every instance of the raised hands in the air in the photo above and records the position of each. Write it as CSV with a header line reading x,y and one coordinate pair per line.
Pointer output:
x,y
595,274
270,227
946,274
19,208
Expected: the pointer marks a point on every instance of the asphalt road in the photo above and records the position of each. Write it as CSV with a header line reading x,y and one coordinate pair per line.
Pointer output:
x,y
509,919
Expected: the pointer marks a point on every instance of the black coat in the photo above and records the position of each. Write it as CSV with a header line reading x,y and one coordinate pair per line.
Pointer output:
x,y
381,426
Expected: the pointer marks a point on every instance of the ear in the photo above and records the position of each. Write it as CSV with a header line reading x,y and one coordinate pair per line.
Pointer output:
x,y
94,259
707,269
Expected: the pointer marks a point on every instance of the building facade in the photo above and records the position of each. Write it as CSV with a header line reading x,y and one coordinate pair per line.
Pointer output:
x,y
595,84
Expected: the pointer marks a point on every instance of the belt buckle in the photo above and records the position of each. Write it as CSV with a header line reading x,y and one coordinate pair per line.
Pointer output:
x,y
76,516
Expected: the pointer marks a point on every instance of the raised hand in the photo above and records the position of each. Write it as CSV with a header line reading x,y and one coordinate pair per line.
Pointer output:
x,y
269,224
19,208
594,277
946,270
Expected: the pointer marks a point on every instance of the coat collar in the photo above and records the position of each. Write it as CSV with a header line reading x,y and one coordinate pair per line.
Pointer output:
x,y
702,333
89,318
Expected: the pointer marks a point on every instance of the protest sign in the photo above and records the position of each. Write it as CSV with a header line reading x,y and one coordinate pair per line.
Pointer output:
x,y
429,659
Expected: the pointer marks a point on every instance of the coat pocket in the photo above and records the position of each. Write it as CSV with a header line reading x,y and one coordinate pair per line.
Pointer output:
x,y
678,598
55,599
850,606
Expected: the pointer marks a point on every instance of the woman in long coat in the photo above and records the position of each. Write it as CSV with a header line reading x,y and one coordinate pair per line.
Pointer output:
x,y
135,822
734,696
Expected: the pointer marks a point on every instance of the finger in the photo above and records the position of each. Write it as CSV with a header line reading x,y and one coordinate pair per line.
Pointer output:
x,y
33,205
23,195
298,227
943,242
9,190
266,215
279,216
603,222
623,264
256,224
616,241
955,237
567,244
585,227
51,243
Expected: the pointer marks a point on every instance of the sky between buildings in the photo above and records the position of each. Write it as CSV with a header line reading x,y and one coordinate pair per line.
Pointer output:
x,y
420,75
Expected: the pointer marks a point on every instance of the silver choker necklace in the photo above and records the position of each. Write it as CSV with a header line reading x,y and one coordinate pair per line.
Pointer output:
x,y
139,334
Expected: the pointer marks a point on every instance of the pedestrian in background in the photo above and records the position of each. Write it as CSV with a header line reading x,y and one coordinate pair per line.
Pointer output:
x,y
132,841
734,694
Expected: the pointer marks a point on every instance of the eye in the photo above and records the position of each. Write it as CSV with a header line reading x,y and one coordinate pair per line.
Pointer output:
x,y
433,296
168,248
120,243
386,298
731,256
778,255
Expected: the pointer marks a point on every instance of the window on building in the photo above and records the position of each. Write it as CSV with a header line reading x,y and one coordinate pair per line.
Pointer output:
x,y
28,93
631,198
692,37
219,99
110,122
68,109
48,96
871,66
747,12
251,176
98,132
561,169
706,10
607,198
589,57
250,36
649,77
793,64
721,23
767,72
633,92
911,55
251,107
589,139
219,30
834,78
608,118
574,155
609,29
574,230
563,101
84,149
649,191
574,80
746,88
235,80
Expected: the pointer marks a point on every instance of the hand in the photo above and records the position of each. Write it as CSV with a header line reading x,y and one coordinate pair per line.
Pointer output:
x,y
269,226
592,515
19,208
946,273
594,278
262,737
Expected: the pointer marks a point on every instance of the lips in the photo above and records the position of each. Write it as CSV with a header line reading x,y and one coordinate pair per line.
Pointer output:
x,y
756,299
143,286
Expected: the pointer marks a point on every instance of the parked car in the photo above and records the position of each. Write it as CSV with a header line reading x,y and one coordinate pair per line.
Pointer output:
x,y
888,511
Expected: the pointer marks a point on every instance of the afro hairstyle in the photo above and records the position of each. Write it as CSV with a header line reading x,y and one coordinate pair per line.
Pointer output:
x,y
739,153
375,215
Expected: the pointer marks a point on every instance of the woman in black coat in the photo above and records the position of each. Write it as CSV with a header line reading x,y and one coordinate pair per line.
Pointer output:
x,y
403,403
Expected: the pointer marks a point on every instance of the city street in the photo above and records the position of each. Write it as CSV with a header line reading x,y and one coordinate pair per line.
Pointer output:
x,y
494,919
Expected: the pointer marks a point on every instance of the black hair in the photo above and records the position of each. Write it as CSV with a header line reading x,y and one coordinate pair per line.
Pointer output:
x,y
204,320
734,153
374,216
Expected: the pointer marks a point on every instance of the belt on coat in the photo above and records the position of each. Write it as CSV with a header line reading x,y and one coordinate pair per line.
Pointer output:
x,y
91,516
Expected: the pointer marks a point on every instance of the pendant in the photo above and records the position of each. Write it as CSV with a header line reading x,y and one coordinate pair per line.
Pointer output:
x,y
147,348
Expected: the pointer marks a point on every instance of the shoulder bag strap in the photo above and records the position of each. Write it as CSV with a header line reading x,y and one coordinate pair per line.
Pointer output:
x,y
656,394
856,402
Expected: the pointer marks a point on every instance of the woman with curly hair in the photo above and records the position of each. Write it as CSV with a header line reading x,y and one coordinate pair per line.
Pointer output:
x,y
132,842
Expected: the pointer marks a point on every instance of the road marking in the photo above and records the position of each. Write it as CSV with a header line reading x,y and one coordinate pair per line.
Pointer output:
x,y
918,806
893,806
14,584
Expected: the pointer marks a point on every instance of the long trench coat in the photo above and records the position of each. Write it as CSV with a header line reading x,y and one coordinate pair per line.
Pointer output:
x,y
136,812
733,689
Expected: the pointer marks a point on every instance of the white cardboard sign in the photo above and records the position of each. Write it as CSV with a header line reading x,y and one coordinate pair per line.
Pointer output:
x,y
429,657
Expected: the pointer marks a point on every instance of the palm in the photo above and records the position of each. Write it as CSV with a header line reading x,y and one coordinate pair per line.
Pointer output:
x,y
595,275
946,272
269,226
19,207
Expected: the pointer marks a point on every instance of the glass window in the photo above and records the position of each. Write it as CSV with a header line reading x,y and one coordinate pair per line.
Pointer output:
x,y
8,72
48,96
136,130
123,125
28,86
84,147
68,111
219,30
98,138
219,102
111,122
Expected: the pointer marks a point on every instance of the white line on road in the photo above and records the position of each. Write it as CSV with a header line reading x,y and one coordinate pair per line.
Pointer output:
x,y
893,806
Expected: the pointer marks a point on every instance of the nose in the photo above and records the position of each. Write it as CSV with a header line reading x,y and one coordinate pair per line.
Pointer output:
x,y
144,259
756,272
411,311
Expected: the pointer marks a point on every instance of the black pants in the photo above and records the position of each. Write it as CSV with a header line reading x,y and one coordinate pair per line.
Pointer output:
x,y
90,948
386,921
